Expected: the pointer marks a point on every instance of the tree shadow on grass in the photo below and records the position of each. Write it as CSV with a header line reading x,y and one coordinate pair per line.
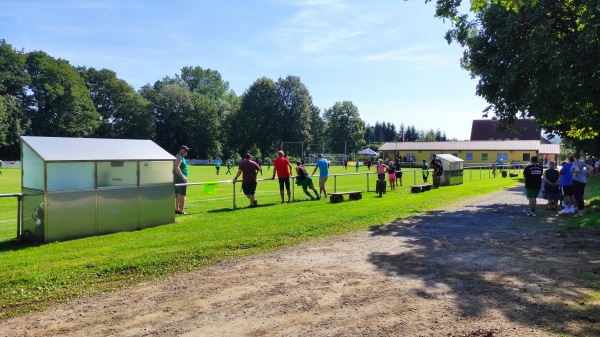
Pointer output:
x,y
225,210
493,257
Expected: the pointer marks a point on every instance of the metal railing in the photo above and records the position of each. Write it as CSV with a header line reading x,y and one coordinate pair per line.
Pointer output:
x,y
475,172
19,197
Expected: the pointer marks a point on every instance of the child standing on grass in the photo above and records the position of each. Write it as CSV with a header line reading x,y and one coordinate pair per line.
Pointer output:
x,y
391,170
425,169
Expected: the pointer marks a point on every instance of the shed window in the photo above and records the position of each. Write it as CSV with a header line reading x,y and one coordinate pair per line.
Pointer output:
x,y
526,157
469,157
484,157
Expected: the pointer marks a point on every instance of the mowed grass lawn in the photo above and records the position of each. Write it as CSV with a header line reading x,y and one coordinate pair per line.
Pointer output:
x,y
36,275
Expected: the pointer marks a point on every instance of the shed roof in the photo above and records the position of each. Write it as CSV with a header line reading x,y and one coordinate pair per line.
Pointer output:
x,y
95,149
449,157
499,145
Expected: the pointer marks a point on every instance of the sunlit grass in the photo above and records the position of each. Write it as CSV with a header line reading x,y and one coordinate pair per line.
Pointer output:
x,y
36,275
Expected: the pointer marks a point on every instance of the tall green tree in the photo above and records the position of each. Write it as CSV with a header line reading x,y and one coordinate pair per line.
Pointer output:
x,y
258,121
206,82
60,103
123,112
345,128
13,83
172,105
317,130
296,103
538,60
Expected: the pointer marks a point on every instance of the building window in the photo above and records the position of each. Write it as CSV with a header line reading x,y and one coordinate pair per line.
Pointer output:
x,y
469,157
455,154
484,157
503,157
526,157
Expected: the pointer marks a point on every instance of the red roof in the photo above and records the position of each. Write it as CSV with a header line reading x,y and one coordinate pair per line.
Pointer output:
x,y
494,129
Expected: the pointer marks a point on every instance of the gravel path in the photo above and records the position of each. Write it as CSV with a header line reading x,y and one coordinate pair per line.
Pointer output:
x,y
482,268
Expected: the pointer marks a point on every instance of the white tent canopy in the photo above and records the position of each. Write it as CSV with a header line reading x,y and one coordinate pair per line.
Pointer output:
x,y
367,152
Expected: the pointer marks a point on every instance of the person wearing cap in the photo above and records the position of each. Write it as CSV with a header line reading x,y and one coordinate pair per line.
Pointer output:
x,y
323,166
249,168
283,169
180,173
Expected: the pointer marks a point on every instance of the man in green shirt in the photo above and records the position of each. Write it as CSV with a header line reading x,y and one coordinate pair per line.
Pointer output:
x,y
181,173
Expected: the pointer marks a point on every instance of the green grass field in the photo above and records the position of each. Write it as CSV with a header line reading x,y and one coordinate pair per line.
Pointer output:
x,y
36,275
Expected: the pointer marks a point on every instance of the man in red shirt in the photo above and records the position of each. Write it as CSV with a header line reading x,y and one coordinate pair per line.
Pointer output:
x,y
250,170
283,168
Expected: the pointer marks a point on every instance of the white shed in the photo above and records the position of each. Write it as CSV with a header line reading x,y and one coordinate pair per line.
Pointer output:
x,y
78,187
453,170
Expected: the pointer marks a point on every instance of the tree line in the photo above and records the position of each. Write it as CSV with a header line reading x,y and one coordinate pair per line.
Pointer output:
x,y
44,96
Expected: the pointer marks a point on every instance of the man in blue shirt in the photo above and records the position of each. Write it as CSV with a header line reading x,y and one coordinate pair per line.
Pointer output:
x,y
323,167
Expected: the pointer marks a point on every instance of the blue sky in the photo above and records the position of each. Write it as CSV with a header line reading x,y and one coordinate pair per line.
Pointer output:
x,y
388,57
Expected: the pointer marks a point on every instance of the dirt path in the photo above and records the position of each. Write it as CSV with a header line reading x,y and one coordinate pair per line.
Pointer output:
x,y
480,269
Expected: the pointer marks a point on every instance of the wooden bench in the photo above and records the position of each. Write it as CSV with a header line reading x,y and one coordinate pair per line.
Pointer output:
x,y
339,196
420,188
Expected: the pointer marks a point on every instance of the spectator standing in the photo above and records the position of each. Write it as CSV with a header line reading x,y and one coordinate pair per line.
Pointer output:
x,y
566,181
579,182
323,166
551,191
438,169
283,169
180,174
380,170
391,171
425,169
249,168
304,180
398,172
533,183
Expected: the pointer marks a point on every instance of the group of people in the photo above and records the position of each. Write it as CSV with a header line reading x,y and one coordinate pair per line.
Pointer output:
x,y
569,183
393,171
437,167
249,169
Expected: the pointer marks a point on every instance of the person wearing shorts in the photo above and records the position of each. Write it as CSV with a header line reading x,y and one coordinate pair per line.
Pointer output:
x,y
249,168
533,183
566,181
398,172
304,180
391,171
283,169
180,173
323,166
